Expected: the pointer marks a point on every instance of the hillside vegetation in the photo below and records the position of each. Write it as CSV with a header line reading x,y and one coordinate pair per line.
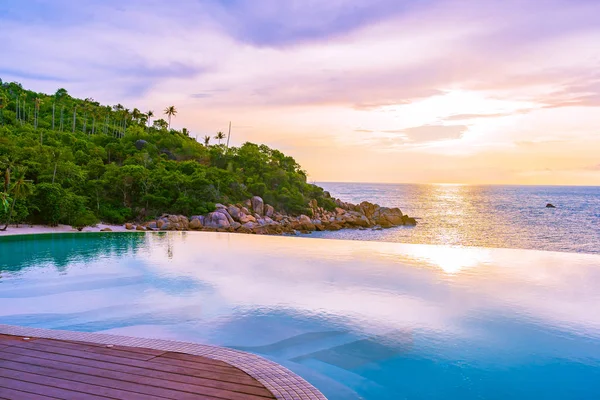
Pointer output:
x,y
75,161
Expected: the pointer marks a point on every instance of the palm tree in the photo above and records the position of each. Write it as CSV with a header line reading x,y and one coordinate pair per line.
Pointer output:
x,y
206,140
170,112
20,189
136,115
149,114
220,136
1,109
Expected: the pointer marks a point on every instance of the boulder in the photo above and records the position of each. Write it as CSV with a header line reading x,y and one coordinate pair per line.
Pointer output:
x,y
140,144
217,220
409,221
152,225
246,218
129,226
236,225
549,205
258,205
140,228
195,223
234,212
106,230
226,214
219,206
305,223
165,226
168,153
269,210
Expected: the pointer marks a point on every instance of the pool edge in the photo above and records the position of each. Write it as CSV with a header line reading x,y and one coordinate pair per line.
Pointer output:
x,y
283,383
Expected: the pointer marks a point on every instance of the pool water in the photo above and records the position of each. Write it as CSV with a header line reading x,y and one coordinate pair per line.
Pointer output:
x,y
359,320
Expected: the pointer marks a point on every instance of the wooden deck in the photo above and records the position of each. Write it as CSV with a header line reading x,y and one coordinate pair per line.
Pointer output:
x,y
56,369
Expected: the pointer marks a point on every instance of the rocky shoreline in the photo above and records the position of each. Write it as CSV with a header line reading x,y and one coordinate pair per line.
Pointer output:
x,y
253,216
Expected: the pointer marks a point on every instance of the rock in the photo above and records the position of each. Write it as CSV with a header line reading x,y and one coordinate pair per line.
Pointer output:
x,y
140,144
152,225
219,206
129,226
106,230
409,221
226,214
247,205
234,212
140,228
246,218
258,206
168,153
217,220
165,226
269,211
195,223
377,228
236,225
305,223
549,205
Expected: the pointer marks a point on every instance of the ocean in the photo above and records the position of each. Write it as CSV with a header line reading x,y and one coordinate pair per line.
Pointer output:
x,y
484,216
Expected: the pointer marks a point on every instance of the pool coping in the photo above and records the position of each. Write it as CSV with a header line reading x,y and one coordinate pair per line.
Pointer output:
x,y
283,383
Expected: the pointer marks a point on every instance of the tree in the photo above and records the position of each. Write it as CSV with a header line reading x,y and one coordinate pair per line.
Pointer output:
x,y
149,114
206,140
220,136
170,112
2,101
20,189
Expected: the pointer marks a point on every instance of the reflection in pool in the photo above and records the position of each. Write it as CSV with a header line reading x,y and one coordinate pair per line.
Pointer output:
x,y
357,319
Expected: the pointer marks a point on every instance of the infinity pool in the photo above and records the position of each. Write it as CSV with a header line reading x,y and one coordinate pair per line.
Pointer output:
x,y
358,320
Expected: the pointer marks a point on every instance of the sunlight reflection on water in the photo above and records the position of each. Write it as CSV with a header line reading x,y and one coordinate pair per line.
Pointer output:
x,y
486,216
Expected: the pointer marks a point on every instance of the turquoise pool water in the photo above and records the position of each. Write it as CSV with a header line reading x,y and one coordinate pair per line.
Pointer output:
x,y
366,320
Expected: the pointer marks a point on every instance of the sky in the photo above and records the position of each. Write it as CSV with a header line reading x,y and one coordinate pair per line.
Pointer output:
x,y
397,91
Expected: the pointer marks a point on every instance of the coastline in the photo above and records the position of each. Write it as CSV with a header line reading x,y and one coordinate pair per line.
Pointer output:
x,y
43,229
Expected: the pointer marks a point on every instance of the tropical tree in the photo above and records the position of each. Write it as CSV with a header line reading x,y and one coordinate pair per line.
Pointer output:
x,y
170,111
206,140
20,189
220,136
1,109
149,114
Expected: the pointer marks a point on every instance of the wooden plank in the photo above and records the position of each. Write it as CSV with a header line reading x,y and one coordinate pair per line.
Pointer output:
x,y
190,357
17,394
91,346
105,386
199,365
40,388
78,353
9,340
134,366
152,378
92,349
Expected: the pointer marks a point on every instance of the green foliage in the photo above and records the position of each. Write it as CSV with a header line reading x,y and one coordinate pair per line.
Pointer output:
x,y
85,159
86,218
48,198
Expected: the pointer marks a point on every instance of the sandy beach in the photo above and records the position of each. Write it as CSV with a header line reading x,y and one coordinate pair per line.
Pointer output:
x,y
36,229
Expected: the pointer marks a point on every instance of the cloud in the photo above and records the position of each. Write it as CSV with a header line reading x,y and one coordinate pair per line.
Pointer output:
x,y
431,133
287,22
462,117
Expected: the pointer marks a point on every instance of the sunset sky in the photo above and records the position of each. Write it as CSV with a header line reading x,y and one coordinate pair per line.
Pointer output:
x,y
485,91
